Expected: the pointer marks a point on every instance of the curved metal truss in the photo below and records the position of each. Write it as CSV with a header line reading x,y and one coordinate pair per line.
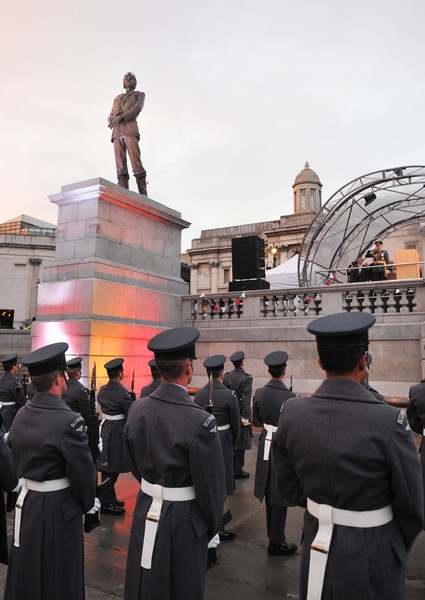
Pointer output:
x,y
360,212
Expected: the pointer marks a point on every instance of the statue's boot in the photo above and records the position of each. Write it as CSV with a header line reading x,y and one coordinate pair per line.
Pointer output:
x,y
141,184
123,181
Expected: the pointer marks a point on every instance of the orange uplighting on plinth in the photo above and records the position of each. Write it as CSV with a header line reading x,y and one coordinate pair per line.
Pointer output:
x,y
116,279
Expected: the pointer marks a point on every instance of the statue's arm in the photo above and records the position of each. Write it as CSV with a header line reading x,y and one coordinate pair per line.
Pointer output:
x,y
133,112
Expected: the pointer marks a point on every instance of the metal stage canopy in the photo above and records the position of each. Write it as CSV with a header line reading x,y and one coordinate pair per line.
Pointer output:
x,y
360,212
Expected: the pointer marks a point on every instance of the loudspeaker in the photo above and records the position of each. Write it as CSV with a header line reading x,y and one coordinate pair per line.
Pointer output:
x,y
248,257
6,318
248,284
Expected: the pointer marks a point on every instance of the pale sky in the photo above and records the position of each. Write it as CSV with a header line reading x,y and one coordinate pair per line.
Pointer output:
x,y
239,94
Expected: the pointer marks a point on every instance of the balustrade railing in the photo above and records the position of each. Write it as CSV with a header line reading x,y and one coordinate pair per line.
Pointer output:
x,y
394,298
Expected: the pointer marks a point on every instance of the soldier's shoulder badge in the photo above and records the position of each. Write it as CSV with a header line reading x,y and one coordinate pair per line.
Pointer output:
x,y
207,421
400,418
78,424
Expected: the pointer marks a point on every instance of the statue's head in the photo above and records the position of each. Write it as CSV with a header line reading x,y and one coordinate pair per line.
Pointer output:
x,y
129,80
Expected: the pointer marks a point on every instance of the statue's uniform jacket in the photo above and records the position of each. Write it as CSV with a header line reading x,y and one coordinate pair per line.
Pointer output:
x,y
48,441
173,442
267,405
130,105
345,448
226,411
114,399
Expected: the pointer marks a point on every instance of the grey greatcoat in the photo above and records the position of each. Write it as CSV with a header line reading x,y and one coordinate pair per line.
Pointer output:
x,y
416,416
171,441
226,411
8,482
114,399
10,392
267,404
48,441
148,389
241,383
345,448
78,399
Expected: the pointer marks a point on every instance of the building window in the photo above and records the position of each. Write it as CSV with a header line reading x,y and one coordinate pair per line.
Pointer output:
x,y
302,201
226,275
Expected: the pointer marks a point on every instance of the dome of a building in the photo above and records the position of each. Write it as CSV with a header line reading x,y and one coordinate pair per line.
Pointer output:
x,y
307,175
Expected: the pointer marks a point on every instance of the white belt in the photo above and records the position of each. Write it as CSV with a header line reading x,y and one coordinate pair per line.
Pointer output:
x,y
423,431
159,493
51,485
7,404
328,517
223,427
113,417
271,429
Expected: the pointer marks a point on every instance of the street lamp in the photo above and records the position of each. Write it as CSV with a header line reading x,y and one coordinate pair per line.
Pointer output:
x,y
273,251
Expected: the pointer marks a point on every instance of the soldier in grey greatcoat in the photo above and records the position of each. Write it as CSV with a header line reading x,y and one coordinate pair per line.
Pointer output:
x,y
268,402
125,133
350,459
223,404
240,382
50,452
77,395
12,397
9,482
156,380
114,400
174,451
366,384
416,415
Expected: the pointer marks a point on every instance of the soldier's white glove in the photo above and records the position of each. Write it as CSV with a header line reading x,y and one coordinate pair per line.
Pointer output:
x,y
6,435
100,444
214,542
95,508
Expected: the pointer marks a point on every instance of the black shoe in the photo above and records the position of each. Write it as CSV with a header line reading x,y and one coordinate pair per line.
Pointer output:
x,y
119,503
225,535
282,549
241,475
112,509
212,558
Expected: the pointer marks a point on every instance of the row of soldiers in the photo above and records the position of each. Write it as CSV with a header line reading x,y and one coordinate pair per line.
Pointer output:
x,y
342,453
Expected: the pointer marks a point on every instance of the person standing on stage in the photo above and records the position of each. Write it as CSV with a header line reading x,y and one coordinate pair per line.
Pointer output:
x,y
51,454
351,461
268,402
240,382
174,451
114,400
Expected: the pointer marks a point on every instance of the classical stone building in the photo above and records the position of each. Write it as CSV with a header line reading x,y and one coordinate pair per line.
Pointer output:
x,y
210,257
27,245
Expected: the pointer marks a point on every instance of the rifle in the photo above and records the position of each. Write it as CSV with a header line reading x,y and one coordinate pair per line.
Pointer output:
x,y
93,521
21,390
93,425
133,395
290,383
209,406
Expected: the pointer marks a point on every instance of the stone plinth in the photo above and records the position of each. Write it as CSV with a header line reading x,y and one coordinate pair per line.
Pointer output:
x,y
116,278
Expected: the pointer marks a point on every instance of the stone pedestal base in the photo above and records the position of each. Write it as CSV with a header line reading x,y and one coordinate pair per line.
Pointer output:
x,y
116,279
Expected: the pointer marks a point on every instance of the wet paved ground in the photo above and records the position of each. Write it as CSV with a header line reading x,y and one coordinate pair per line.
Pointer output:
x,y
245,569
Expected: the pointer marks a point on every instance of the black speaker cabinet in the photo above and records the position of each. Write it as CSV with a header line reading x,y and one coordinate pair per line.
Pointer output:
x,y
248,284
248,257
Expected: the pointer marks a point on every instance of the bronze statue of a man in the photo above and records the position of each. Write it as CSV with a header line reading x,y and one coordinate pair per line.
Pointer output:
x,y
125,133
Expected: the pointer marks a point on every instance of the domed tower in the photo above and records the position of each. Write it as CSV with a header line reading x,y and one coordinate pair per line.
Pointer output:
x,y
307,191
